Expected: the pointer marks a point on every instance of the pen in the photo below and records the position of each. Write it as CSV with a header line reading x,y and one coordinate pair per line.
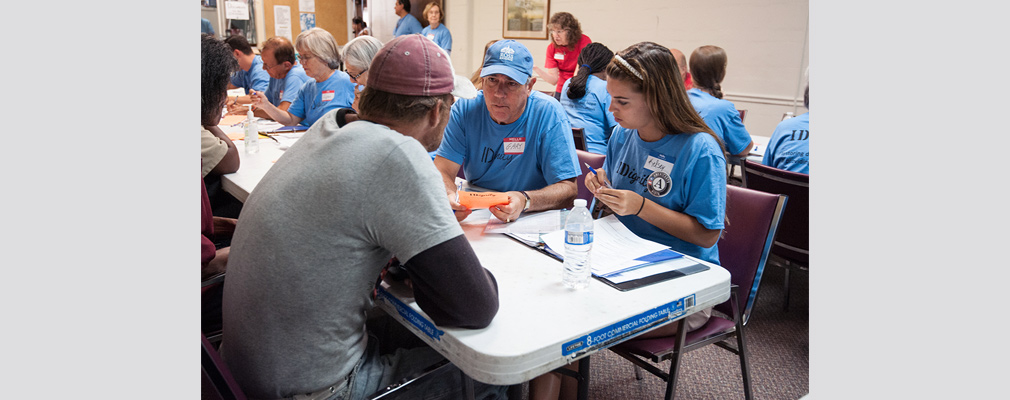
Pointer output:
x,y
597,174
270,137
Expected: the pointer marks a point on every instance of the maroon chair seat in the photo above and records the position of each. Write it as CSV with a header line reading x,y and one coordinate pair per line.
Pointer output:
x,y
594,160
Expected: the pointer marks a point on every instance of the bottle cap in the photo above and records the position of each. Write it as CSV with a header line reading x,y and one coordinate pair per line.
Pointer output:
x,y
580,202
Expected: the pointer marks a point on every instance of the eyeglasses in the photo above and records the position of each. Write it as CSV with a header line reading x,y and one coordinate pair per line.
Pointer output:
x,y
494,83
305,57
355,77
270,68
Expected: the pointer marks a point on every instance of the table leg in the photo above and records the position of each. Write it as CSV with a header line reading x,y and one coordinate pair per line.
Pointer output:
x,y
584,382
467,386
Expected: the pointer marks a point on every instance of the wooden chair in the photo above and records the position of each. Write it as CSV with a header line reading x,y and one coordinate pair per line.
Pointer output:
x,y
791,249
743,250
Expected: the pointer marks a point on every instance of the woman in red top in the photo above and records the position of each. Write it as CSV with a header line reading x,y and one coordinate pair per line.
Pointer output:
x,y
567,41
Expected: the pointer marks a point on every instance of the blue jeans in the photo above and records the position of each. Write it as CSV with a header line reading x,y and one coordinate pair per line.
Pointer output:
x,y
376,371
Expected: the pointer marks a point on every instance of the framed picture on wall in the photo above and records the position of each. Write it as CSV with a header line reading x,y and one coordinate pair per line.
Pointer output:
x,y
526,19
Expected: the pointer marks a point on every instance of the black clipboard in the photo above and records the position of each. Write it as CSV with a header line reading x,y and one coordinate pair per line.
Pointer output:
x,y
537,246
651,279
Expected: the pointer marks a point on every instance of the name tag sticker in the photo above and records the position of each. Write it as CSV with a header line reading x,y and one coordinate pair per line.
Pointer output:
x,y
559,56
327,95
431,37
281,95
654,163
514,145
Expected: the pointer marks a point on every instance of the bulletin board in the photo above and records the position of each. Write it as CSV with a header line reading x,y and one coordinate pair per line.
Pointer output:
x,y
331,15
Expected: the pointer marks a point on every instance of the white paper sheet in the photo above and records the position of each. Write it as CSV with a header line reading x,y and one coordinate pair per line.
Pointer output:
x,y
236,10
614,245
282,21
530,224
307,5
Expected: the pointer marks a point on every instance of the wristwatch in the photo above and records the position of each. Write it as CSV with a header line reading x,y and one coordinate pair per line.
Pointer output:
x,y
527,207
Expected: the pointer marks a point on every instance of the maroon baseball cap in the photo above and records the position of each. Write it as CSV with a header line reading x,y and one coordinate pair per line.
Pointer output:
x,y
414,65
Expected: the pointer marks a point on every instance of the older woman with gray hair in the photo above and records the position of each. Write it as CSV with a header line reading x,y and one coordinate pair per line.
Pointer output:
x,y
358,54
330,88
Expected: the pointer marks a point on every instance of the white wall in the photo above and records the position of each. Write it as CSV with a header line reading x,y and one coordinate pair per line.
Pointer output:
x,y
766,41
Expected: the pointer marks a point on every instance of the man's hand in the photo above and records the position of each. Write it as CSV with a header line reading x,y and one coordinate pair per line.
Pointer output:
x,y
511,211
459,210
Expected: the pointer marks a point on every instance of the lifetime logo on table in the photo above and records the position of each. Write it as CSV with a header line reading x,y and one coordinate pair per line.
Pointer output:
x,y
603,338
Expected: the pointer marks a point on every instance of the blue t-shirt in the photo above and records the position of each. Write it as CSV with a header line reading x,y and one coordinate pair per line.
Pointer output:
x,y
286,89
316,98
789,147
590,113
722,116
407,25
206,27
683,172
256,78
440,36
531,153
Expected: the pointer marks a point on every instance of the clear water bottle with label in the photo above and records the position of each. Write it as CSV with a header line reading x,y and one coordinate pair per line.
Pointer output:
x,y
578,242
252,133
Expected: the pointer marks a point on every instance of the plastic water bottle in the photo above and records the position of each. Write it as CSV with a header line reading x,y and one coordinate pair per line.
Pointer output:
x,y
578,242
252,133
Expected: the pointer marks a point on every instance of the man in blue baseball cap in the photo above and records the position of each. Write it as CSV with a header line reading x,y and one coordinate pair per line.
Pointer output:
x,y
510,139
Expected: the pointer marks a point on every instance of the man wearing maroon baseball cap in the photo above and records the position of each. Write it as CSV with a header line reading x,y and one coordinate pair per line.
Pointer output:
x,y
322,224
510,139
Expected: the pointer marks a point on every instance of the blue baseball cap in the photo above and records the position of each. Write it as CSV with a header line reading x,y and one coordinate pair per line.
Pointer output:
x,y
510,58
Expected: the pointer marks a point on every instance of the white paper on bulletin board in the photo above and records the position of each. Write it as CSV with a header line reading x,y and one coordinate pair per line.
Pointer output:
x,y
307,5
236,10
282,21
307,21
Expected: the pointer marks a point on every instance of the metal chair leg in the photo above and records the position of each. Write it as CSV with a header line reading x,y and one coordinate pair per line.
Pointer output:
x,y
744,368
671,384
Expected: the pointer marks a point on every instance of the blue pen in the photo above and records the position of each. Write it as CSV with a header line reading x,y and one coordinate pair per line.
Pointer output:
x,y
597,174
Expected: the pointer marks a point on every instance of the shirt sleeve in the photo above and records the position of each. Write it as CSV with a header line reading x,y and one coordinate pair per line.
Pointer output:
x,y
557,153
707,199
212,150
305,94
260,80
292,89
453,145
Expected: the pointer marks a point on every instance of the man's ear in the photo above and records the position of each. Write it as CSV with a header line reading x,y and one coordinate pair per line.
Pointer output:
x,y
237,53
435,114
529,85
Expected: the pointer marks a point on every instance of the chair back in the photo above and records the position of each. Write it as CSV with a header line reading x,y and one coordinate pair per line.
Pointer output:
x,y
793,241
753,218
596,161
579,135
743,114
218,374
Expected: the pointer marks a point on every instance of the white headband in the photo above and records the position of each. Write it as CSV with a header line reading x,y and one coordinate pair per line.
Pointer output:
x,y
628,67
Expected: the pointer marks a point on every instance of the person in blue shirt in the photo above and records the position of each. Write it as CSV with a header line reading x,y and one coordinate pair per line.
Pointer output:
x,y
789,146
510,139
328,89
708,68
250,75
206,27
436,31
286,75
586,100
407,24
357,55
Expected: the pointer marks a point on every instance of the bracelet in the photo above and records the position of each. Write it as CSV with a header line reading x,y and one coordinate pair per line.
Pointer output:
x,y
641,206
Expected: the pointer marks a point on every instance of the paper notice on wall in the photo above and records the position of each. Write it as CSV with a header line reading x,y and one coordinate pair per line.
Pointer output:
x,y
236,10
307,21
282,21
307,5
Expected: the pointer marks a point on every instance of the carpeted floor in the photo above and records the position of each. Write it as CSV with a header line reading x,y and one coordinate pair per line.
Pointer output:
x,y
777,343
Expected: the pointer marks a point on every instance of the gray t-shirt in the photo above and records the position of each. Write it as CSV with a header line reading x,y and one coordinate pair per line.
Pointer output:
x,y
311,241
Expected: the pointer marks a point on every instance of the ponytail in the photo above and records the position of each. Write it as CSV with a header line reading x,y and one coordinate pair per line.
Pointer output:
x,y
593,58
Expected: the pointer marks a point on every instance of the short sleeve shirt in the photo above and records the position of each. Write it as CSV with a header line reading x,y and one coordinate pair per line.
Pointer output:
x,y
531,153
565,60
256,78
683,172
789,147
287,88
440,36
722,116
591,113
316,98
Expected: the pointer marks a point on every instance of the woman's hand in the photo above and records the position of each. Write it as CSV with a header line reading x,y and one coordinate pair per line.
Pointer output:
x,y
622,202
